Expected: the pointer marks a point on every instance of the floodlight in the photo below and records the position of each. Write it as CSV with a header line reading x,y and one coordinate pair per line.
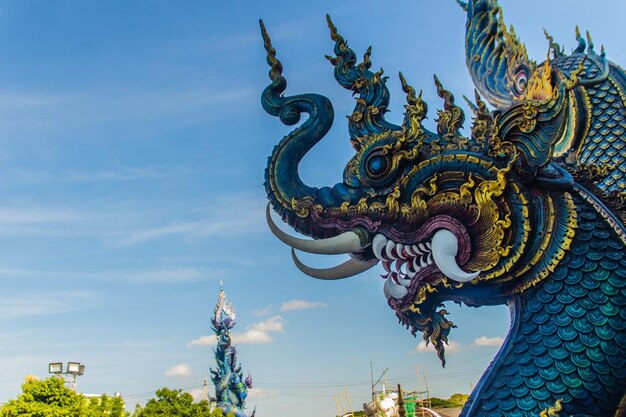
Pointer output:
x,y
81,370
55,368
73,368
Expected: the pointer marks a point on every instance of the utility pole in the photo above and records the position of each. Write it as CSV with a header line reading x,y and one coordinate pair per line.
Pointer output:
x,y
376,383
205,389
419,391
401,410
372,376
427,390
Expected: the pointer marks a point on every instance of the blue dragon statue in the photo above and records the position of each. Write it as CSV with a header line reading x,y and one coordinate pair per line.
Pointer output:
x,y
231,389
528,211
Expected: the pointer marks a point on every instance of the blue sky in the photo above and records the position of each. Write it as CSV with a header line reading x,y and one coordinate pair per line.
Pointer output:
x,y
132,150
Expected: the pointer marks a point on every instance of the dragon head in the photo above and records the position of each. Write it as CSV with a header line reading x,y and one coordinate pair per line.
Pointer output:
x,y
448,217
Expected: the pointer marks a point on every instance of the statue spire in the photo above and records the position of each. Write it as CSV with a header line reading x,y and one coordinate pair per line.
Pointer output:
x,y
231,389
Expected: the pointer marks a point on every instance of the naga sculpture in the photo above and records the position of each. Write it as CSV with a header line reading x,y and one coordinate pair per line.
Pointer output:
x,y
529,211
231,389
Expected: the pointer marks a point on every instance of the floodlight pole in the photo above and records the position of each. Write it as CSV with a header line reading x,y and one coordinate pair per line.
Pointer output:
x,y
71,381
69,376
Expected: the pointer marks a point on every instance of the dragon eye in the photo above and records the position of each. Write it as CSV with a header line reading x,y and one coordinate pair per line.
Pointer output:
x,y
521,81
377,166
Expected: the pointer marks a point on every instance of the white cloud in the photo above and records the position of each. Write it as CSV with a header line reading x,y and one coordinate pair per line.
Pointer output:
x,y
451,347
260,393
197,394
233,216
116,173
43,304
258,333
180,370
252,337
300,305
149,276
489,341
273,324
210,340
263,311
164,275
38,215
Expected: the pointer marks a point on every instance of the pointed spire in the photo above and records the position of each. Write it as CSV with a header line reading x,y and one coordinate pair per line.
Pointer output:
x,y
590,43
372,95
451,118
581,42
482,121
415,112
557,50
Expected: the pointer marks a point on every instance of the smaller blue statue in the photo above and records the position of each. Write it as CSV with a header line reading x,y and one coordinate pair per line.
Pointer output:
x,y
231,389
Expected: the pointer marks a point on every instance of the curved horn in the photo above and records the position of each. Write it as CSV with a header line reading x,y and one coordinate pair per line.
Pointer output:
x,y
344,243
494,55
345,270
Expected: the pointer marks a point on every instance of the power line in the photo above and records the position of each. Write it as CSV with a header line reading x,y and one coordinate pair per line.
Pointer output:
x,y
281,387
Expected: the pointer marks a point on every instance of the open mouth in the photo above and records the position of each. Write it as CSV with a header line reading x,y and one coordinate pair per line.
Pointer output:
x,y
408,265
402,264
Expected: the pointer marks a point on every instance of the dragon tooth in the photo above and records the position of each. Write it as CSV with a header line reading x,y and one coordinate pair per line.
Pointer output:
x,y
401,267
429,260
399,250
402,280
423,262
423,247
393,290
416,265
389,249
378,243
411,273
408,249
416,250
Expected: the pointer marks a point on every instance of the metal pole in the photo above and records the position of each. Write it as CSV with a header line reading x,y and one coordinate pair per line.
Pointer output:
x,y
349,404
343,408
427,390
337,404
419,391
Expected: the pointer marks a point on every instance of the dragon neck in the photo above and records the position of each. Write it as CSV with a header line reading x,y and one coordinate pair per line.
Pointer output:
x,y
567,340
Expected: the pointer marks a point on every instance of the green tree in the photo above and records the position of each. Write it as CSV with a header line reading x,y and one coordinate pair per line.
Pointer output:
x,y
459,399
105,406
51,398
45,398
175,403
456,400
